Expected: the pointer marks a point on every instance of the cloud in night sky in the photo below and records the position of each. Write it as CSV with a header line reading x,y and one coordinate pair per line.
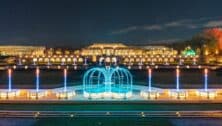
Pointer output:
x,y
81,22
125,30
153,27
186,23
217,23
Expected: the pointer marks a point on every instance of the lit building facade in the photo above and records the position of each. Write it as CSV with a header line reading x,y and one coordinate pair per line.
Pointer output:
x,y
22,50
111,53
130,54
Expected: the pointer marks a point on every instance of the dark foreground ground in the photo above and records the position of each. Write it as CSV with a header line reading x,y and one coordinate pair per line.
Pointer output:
x,y
107,106
111,122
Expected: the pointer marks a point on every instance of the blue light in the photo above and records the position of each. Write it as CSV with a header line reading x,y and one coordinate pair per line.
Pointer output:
x,y
107,80
9,80
149,79
65,80
205,79
37,79
177,79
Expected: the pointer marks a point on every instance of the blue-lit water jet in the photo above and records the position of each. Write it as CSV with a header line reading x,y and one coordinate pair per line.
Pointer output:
x,y
37,79
177,80
149,79
150,93
65,80
205,92
9,80
206,79
107,82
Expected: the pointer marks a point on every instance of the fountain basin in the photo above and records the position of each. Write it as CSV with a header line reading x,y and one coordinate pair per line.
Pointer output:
x,y
175,94
33,94
209,94
5,94
65,94
153,94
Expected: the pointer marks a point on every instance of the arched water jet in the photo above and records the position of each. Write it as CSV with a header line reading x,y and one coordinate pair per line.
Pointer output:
x,y
109,82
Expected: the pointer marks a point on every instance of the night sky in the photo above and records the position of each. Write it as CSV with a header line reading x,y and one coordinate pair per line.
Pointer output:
x,y
76,23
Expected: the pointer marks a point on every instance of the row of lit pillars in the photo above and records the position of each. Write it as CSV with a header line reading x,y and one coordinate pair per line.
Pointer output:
x,y
150,93
8,93
65,79
177,93
65,94
37,93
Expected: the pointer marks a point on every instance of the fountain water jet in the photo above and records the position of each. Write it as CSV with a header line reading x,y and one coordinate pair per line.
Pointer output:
x,y
149,79
37,79
178,93
177,79
206,93
9,93
65,93
107,82
65,80
9,80
205,79
150,94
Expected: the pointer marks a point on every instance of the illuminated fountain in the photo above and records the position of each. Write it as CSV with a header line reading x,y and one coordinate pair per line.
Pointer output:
x,y
85,61
101,60
37,93
65,80
109,82
150,93
65,93
178,93
6,94
206,93
37,79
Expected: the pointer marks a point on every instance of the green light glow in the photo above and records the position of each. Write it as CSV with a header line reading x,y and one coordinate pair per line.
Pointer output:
x,y
188,52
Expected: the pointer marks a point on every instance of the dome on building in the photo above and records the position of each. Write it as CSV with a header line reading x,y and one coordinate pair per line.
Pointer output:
x,y
188,52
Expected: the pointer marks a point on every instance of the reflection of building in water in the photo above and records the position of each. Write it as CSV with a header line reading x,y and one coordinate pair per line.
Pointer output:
x,y
21,50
